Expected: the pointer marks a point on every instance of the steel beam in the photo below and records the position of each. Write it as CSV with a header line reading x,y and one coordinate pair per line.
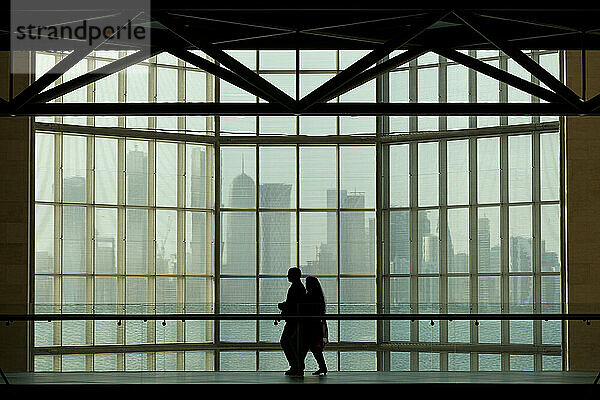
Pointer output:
x,y
220,72
500,75
53,74
229,62
333,109
368,60
522,59
586,317
377,70
94,75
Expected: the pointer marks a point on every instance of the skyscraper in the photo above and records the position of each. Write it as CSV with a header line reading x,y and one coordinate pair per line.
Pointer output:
x,y
74,226
196,257
137,219
275,228
484,245
240,246
399,241
353,231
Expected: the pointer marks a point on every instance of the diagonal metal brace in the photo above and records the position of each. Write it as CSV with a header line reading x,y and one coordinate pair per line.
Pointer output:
x,y
522,59
231,63
331,86
500,75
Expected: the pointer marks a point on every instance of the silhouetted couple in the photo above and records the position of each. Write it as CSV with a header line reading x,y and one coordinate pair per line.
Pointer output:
x,y
301,335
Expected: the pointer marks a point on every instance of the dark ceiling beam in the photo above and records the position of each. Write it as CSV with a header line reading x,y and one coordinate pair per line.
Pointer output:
x,y
324,109
220,72
368,60
593,104
243,39
50,76
95,75
377,70
370,41
528,22
522,59
363,22
499,75
78,54
238,23
229,62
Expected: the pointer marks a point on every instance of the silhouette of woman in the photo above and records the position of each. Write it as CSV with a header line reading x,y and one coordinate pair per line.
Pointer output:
x,y
315,305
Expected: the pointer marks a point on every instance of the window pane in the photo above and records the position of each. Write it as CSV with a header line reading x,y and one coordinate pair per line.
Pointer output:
x,y
166,241
44,238
74,168
318,246
44,167
74,243
550,230
318,177
458,171
488,91
428,178
488,170
105,239
488,239
357,242
427,92
238,243
277,59
400,242
357,296
520,234
428,241
458,240
277,177
136,245
489,294
166,174
277,242
549,166
238,295
519,168
238,177
198,179
166,91
357,177
399,176
400,303
136,170
105,169
198,237
318,59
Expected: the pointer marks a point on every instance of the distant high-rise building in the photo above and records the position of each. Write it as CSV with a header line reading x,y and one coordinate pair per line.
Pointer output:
x,y
137,177
353,231
275,228
241,233
520,254
400,241
137,220
74,225
484,245
429,245
105,254
196,257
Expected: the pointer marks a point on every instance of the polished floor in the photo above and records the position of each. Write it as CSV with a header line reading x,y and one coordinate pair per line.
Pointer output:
x,y
332,378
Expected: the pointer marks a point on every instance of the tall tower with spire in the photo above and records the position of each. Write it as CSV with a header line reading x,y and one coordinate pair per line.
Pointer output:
x,y
240,246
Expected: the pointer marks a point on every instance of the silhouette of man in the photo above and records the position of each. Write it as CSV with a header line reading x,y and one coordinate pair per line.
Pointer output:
x,y
291,341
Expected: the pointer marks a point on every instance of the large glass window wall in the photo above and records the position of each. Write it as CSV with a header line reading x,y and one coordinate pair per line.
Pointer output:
x,y
403,215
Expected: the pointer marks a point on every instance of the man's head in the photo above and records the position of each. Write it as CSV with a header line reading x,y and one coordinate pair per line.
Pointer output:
x,y
294,274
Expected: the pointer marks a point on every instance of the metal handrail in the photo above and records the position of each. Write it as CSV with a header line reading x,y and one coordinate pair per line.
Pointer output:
x,y
586,317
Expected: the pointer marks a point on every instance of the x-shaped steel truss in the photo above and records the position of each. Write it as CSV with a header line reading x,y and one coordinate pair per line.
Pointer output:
x,y
177,39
